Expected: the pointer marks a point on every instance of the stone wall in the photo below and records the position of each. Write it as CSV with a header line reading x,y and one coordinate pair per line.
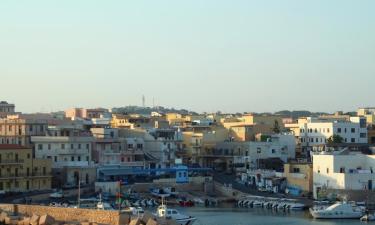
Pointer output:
x,y
70,214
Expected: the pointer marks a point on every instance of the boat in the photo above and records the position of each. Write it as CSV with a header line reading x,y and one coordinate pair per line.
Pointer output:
x,y
171,190
58,194
160,193
184,202
104,206
368,218
164,212
341,210
137,211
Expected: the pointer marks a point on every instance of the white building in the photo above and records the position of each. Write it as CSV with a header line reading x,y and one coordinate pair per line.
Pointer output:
x,y
314,132
70,151
280,146
343,170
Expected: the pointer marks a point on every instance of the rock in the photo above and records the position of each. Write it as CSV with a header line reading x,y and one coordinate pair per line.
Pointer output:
x,y
3,215
135,222
34,220
46,220
151,222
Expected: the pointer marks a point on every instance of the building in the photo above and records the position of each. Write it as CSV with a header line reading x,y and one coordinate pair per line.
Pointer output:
x,y
368,113
87,113
20,172
234,156
312,132
6,108
342,170
17,129
299,177
70,149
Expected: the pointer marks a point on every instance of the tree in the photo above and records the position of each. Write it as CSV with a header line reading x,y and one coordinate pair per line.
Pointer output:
x,y
335,139
276,127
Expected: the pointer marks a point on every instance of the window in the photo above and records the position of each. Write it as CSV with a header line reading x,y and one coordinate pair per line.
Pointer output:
x,y
352,140
273,151
342,170
296,170
49,146
72,159
328,130
79,158
130,146
316,139
353,130
87,158
44,171
40,146
259,150
55,158
362,135
62,146
316,130
327,170
28,156
338,130
71,146
79,146
31,128
87,146
345,130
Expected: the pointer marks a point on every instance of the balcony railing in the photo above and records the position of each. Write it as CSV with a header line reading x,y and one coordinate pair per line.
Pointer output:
x,y
24,175
12,161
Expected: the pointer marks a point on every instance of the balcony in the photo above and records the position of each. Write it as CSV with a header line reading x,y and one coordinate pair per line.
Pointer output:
x,y
74,152
70,164
12,162
24,175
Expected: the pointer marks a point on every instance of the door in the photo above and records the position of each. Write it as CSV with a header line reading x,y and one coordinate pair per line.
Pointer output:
x,y
370,184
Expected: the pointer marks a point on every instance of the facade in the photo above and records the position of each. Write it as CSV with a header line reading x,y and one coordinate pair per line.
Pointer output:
x,y
17,130
6,108
299,176
86,113
342,170
70,151
233,156
312,132
20,172
369,113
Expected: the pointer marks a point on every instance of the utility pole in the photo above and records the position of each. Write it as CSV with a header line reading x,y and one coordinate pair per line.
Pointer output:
x,y
79,189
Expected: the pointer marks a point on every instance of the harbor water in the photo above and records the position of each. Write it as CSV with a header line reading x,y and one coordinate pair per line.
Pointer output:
x,y
236,216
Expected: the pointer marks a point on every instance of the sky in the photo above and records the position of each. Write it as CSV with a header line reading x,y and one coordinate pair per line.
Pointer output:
x,y
232,56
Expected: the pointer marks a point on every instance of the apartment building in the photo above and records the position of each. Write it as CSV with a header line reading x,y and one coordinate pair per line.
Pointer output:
x,y
18,129
86,113
312,132
342,170
70,149
20,172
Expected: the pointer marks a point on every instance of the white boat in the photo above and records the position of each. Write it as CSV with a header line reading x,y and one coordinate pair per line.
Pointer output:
x,y
160,193
137,211
104,206
59,194
171,190
164,212
340,210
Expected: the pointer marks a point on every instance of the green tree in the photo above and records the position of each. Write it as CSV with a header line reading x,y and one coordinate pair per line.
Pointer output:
x,y
335,139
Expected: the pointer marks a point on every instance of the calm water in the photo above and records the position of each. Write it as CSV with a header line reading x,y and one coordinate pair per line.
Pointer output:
x,y
230,216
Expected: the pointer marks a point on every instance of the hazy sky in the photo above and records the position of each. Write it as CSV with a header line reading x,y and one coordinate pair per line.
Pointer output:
x,y
204,55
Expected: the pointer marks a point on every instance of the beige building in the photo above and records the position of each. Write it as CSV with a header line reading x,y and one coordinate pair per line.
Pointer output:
x,y
18,130
299,176
20,172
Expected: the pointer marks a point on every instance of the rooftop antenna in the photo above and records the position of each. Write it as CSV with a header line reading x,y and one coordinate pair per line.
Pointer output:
x,y
143,101
153,102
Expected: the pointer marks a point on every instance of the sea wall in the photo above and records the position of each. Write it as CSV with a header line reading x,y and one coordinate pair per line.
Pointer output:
x,y
69,214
